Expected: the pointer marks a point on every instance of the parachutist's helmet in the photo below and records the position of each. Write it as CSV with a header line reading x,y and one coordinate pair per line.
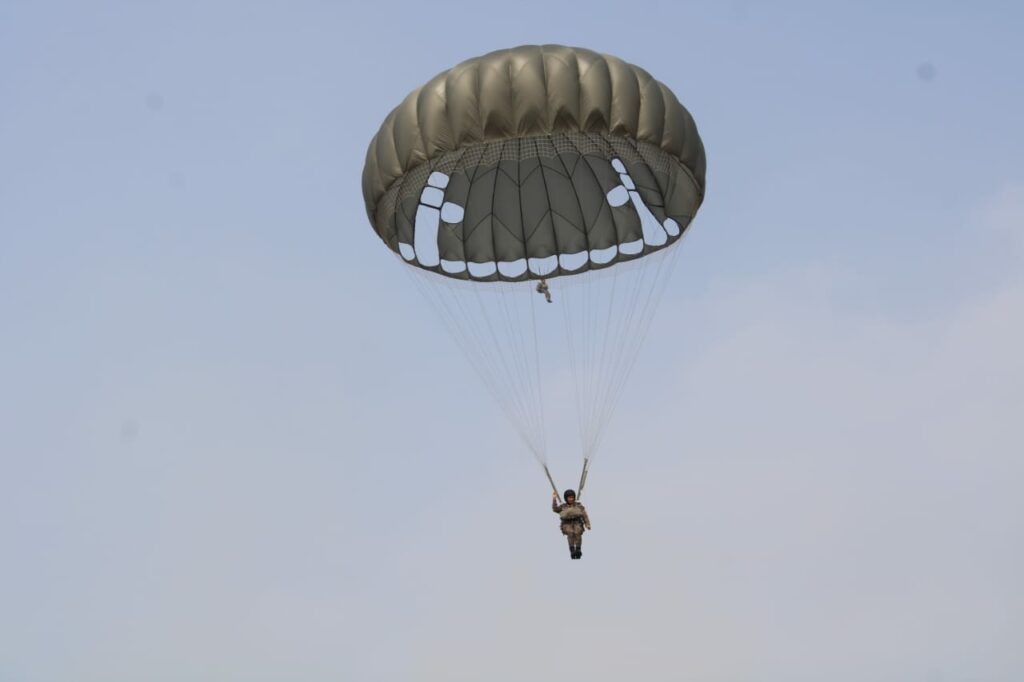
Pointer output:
x,y
569,493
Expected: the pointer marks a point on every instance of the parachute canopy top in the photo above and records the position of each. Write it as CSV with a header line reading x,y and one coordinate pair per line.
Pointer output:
x,y
532,162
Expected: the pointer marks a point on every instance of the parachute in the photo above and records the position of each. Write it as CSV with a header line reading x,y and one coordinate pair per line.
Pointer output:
x,y
537,175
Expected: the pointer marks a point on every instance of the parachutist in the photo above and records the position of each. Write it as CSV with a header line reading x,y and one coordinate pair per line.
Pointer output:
x,y
573,517
542,288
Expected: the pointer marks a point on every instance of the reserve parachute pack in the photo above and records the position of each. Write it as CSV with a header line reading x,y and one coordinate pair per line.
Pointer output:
x,y
569,514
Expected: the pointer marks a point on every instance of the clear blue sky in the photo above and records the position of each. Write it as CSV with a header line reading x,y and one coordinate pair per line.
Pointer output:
x,y
223,458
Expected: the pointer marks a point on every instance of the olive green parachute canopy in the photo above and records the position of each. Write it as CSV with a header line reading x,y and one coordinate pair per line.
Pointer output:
x,y
531,162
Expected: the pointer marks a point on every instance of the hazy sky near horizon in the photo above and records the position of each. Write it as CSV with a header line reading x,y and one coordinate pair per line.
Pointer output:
x,y
234,445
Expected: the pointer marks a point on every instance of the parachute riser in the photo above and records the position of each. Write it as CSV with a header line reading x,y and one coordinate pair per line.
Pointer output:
x,y
554,488
579,489
583,477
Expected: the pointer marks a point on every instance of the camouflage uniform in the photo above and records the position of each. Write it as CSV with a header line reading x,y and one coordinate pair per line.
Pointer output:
x,y
574,520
